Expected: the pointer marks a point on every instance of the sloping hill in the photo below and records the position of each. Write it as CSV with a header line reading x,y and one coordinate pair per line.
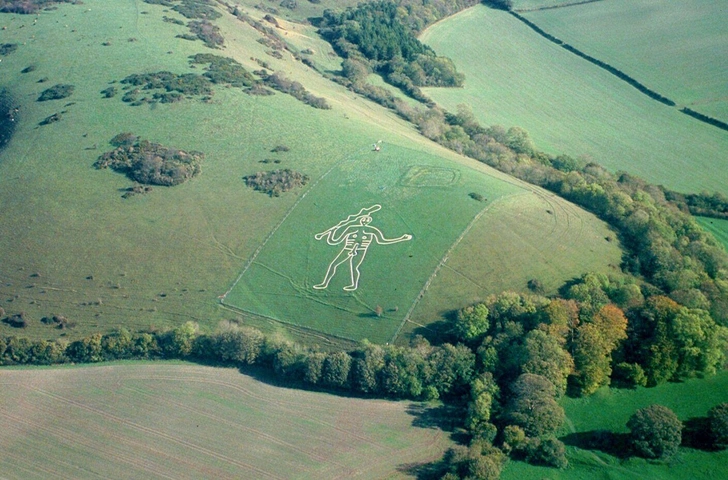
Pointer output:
x,y
71,245
568,105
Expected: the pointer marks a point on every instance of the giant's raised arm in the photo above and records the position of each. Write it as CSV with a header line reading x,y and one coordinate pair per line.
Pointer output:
x,y
382,240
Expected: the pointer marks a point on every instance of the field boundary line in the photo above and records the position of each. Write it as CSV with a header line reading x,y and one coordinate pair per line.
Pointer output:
x,y
275,229
552,7
440,264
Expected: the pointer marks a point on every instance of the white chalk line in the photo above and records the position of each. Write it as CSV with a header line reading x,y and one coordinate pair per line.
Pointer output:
x,y
285,217
439,266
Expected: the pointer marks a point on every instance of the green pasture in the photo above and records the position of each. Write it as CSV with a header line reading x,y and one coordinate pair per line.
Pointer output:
x,y
718,227
674,47
186,421
538,236
71,246
420,195
516,77
609,409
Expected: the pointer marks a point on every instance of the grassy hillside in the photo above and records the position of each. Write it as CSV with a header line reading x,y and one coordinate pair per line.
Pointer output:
x,y
719,228
199,422
516,77
609,409
676,48
70,245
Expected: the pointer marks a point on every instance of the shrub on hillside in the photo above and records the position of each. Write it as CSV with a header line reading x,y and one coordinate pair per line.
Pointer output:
x,y
207,32
27,7
56,92
150,163
277,181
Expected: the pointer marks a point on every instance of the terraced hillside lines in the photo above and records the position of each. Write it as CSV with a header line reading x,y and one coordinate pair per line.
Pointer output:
x,y
197,422
609,409
718,227
676,48
305,274
516,77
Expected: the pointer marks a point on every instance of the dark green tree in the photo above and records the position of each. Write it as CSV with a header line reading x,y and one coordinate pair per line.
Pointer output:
x,y
718,417
336,368
655,432
532,406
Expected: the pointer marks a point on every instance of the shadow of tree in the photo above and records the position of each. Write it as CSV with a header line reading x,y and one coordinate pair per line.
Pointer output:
x,y
696,434
448,418
615,444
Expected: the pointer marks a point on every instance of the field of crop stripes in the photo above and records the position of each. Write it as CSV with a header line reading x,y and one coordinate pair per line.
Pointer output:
x,y
177,421
676,48
516,77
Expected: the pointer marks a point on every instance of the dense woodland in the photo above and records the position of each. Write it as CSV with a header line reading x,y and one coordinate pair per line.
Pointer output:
x,y
381,36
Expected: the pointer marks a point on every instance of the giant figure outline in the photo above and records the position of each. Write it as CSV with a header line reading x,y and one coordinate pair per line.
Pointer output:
x,y
356,233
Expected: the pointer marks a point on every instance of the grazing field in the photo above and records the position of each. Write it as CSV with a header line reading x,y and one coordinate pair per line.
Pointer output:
x,y
516,77
718,227
185,421
675,48
70,245
609,409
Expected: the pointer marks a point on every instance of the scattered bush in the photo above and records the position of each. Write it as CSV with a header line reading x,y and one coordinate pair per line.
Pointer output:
x,y
27,7
197,9
28,69
151,163
56,92
18,320
7,49
109,92
279,82
164,87
56,117
207,32
277,181
173,20
280,148
223,70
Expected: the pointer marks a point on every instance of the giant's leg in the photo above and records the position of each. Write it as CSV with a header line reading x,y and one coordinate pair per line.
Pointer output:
x,y
343,256
355,263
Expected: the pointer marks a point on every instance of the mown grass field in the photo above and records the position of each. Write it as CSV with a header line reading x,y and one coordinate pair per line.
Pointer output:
x,y
69,243
516,77
609,409
675,48
185,421
718,227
